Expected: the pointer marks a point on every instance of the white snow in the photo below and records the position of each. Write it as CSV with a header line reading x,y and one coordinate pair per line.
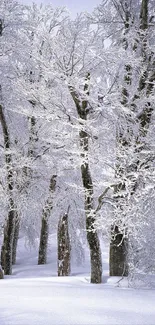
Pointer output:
x,y
35,295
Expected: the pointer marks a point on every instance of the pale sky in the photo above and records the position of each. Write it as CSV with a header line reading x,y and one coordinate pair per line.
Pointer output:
x,y
73,5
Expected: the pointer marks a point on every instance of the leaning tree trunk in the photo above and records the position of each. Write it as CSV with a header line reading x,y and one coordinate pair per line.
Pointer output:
x,y
119,242
64,247
45,223
92,235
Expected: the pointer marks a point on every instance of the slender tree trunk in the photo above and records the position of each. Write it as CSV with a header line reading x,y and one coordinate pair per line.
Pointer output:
x,y
33,137
9,230
45,223
3,248
8,243
2,256
64,247
15,238
92,235
1,273
42,259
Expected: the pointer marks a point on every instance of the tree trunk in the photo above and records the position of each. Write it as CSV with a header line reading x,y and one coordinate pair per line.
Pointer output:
x,y
95,256
3,249
2,256
8,243
64,248
92,235
118,253
15,238
33,137
9,230
1,273
42,258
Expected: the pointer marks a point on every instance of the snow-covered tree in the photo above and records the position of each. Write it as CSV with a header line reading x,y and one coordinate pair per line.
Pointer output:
x,y
130,31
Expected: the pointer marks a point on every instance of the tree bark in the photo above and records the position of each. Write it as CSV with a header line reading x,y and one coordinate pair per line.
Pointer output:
x,y
1,273
8,243
42,258
15,238
9,229
33,137
118,253
92,235
64,247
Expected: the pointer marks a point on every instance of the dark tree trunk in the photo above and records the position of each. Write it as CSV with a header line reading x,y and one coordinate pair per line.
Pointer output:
x,y
3,249
2,256
1,273
64,247
9,229
8,243
33,137
95,256
42,258
15,238
118,253
92,235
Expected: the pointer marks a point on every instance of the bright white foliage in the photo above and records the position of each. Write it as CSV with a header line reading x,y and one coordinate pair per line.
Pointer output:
x,y
43,53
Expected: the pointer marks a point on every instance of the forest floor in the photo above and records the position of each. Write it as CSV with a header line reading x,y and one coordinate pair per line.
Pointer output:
x,y
34,295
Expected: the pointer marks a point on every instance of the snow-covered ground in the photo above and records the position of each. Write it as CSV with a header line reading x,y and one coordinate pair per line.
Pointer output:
x,y
35,295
